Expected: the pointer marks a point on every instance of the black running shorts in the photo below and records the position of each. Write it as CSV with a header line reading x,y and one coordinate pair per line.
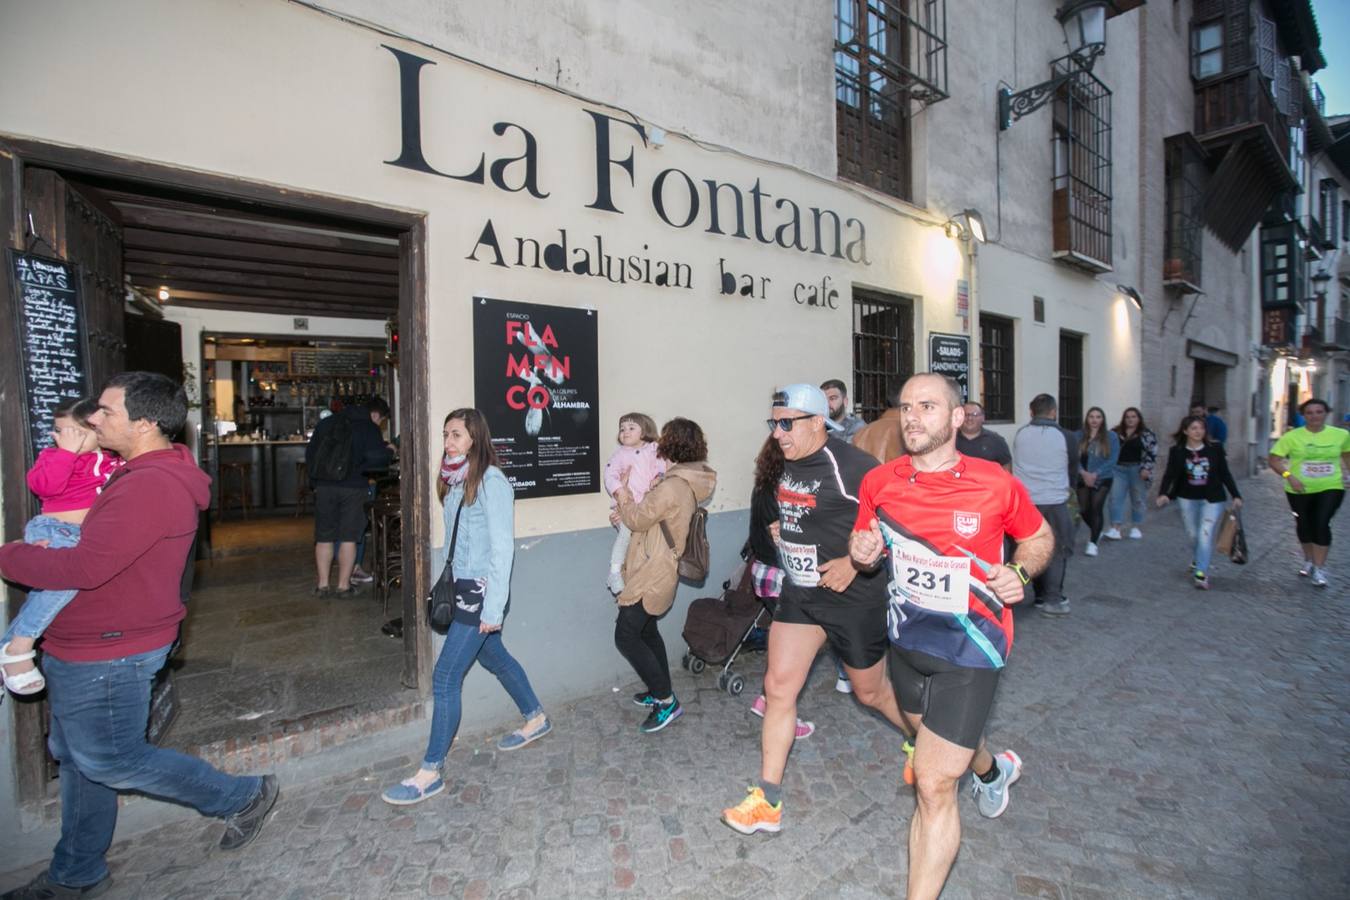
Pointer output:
x,y
856,632
954,701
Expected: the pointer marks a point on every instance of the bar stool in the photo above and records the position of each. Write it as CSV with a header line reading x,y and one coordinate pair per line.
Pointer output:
x,y
303,492
388,537
239,493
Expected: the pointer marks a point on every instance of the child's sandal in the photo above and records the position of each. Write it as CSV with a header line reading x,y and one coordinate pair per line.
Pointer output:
x,y
24,683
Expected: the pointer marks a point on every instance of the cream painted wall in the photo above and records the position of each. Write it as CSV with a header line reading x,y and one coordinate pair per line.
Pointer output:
x,y
1073,302
322,114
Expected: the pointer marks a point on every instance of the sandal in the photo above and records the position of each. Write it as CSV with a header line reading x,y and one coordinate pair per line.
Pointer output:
x,y
24,683
519,738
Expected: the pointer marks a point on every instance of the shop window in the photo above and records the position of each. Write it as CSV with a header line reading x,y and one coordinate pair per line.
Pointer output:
x,y
890,56
1070,380
883,350
996,368
1282,265
1184,173
1081,195
1207,50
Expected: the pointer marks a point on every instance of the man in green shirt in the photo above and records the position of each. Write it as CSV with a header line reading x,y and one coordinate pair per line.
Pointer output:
x,y
1313,461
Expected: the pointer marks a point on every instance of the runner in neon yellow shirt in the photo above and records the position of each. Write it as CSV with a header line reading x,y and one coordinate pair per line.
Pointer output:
x,y
1313,461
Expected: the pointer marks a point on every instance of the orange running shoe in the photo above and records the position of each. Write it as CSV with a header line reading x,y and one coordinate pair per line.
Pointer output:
x,y
908,747
754,814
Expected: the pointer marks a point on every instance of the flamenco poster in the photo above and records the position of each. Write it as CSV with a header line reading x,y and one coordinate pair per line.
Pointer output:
x,y
536,379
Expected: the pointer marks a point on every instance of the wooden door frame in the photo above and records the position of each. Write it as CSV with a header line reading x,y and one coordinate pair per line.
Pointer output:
x,y
15,154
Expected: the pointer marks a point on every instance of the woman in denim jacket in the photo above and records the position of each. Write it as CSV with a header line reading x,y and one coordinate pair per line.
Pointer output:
x,y
480,533
1098,450
1134,471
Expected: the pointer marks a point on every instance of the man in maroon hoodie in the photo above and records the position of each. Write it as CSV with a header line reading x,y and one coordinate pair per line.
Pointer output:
x,y
103,650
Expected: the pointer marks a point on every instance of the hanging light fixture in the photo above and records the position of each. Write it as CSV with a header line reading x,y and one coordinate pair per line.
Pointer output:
x,y
1084,24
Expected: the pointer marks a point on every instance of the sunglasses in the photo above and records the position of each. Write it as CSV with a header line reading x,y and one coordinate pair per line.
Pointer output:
x,y
786,423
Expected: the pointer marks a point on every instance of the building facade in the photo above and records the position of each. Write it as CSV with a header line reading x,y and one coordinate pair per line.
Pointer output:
x,y
735,199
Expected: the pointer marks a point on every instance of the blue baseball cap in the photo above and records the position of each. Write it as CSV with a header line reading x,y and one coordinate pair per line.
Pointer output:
x,y
809,399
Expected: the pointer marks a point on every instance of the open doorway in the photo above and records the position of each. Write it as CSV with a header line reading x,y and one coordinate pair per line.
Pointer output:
x,y
174,266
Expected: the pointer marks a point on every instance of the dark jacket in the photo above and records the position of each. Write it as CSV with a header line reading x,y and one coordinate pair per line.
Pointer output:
x,y
1178,480
763,513
127,566
368,447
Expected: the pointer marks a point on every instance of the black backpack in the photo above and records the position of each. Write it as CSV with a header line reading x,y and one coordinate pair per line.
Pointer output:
x,y
333,455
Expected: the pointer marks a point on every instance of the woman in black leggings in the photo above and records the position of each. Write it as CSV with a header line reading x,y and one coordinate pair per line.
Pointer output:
x,y
1098,450
1313,461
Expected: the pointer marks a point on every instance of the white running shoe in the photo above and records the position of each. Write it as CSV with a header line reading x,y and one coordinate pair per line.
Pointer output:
x,y
843,685
1306,569
1112,534
1090,549
1319,578
1136,534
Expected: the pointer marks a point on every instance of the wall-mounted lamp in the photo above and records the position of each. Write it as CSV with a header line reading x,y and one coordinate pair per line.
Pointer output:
x,y
966,224
1133,294
163,294
1319,284
1084,24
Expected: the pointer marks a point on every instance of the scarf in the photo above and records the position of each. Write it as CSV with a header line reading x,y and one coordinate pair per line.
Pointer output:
x,y
454,469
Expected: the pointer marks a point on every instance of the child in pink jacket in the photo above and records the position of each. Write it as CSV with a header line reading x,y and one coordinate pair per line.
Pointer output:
x,y
66,478
636,464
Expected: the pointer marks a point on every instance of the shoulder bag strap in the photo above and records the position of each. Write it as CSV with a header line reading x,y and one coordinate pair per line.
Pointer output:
x,y
666,531
454,538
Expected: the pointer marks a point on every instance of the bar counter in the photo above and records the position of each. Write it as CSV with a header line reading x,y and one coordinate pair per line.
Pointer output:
x,y
273,476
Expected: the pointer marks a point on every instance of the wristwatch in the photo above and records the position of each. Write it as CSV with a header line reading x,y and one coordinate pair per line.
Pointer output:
x,y
1021,572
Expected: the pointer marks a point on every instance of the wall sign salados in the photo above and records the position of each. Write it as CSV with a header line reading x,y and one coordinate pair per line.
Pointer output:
x,y
51,340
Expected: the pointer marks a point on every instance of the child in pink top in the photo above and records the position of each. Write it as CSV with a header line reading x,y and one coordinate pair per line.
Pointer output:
x,y
66,478
635,463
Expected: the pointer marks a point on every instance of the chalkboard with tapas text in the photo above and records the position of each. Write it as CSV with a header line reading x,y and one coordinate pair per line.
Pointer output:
x,y
52,347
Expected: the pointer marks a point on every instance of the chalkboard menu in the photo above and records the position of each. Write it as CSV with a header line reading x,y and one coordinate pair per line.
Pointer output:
x,y
51,340
326,361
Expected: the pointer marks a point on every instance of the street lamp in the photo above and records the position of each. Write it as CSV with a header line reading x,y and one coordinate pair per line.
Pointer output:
x,y
966,224
1084,24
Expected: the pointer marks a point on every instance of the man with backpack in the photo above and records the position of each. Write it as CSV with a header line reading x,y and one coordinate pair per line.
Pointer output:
x,y
342,449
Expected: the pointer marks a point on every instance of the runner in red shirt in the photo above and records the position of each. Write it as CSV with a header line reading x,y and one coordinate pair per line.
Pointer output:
x,y
940,517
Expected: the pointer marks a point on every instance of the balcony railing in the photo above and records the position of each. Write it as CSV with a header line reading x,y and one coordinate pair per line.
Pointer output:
x,y
1235,102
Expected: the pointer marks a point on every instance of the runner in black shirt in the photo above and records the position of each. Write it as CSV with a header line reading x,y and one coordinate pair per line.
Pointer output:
x,y
825,597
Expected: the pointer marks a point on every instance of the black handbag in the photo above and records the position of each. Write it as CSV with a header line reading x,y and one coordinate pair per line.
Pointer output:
x,y
441,600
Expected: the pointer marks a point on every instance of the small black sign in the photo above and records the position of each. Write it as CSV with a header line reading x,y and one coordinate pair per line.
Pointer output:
x,y
949,354
52,345
536,378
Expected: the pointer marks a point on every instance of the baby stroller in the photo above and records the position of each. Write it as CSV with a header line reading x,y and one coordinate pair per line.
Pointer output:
x,y
717,628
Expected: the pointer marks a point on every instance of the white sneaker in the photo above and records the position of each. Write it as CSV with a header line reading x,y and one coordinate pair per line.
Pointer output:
x,y
1136,534
1319,577
843,685
1112,534
1090,549
1306,569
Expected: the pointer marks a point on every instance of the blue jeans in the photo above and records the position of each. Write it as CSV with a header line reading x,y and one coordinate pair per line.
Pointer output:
x,y
464,644
1200,518
41,607
1128,484
99,715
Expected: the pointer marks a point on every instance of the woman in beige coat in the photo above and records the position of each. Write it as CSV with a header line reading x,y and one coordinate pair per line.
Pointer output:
x,y
650,572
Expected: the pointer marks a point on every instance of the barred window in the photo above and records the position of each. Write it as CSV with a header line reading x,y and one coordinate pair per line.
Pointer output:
x,y
883,349
1081,196
1070,380
996,367
1185,174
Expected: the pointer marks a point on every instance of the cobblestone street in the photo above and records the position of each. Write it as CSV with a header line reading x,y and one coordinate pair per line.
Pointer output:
x,y
1176,744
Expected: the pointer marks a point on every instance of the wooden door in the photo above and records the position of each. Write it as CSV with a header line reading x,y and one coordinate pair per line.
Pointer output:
x,y
75,225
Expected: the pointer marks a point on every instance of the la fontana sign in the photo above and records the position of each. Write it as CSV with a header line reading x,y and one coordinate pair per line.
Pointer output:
x,y
680,199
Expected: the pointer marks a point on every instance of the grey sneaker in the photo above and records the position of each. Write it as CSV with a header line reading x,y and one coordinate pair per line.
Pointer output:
x,y
43,888
1319,578
992,799
1055,609
242,827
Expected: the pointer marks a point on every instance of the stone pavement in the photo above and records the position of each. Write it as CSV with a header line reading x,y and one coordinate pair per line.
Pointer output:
x,y
1177,744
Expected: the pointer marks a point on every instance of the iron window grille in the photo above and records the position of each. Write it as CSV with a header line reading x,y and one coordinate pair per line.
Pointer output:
x,y
890,56
1328,201
1185,174
1081,195
1071,380
996,367
883,350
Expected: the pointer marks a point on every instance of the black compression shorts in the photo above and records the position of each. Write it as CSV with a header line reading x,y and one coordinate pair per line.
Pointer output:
x,y
855,632
953,700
